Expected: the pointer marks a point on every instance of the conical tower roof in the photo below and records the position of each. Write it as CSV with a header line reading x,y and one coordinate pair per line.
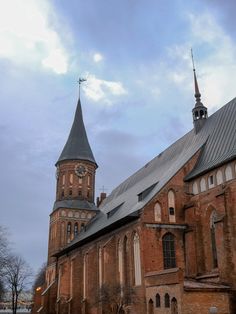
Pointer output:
x,y
77,145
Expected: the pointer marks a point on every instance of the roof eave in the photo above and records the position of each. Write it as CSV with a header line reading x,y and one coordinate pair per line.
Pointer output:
x,y
99,233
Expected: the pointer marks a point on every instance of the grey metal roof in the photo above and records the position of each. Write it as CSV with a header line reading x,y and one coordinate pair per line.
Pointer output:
x,y
217,141
221,144
77,145
74,204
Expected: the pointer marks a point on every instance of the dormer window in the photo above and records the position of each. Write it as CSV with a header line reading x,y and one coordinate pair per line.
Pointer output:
x,y
143,194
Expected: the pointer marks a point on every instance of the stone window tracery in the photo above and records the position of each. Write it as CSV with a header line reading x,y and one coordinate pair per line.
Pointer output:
x,y
168,245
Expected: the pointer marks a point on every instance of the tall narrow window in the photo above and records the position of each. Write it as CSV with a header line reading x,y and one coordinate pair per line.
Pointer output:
x,y
157,212
174,306
100,266
168,244
89,180
125,261
150,307
171,205
59,283
158,300
137,261
71,277
85,279
62,233
68,232
76,229
63,179
80,181
71,178
120,261
167,300
213,240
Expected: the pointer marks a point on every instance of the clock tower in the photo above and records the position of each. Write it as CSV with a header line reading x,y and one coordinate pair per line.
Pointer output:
x,y
75,187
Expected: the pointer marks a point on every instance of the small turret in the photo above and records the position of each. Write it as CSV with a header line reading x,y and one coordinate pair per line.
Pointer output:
x,y
199,111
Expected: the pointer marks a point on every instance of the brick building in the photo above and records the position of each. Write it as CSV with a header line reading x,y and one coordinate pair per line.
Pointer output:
x,y
164,240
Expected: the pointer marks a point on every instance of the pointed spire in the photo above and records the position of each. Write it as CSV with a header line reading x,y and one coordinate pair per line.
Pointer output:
x,y
199,110
77,146
197,93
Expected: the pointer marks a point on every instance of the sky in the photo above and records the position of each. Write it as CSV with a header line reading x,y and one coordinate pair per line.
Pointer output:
x,y
137,100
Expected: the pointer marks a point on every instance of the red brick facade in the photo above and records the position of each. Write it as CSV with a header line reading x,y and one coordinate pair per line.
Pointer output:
x,y
178,255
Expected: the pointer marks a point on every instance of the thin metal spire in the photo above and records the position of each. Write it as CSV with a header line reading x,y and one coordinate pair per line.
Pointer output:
x,y
197,93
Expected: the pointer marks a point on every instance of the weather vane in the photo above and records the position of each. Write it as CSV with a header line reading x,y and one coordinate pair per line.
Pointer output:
x,y
81,80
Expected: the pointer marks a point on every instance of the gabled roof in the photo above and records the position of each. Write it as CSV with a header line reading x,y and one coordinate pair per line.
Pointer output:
x,y
77,146
217,142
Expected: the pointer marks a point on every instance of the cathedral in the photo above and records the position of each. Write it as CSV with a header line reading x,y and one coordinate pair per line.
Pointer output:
x,y
163,241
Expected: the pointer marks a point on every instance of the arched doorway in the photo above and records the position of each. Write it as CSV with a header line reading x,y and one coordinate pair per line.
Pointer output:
x,y
174,306
150,307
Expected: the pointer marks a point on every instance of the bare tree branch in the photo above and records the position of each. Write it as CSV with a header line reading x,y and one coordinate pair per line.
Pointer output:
x,y
17,275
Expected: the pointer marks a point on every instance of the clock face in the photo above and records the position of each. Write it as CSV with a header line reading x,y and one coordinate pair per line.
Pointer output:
x,y
81,170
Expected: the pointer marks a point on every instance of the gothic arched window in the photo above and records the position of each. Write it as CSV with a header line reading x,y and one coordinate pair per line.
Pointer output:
x,y
167,300
100,265
219,177
171,205
76,229
120,261
158,300
213,240
195,188
125,261
168,244
157,212
68,232
203,185
228,173
150,307
137,261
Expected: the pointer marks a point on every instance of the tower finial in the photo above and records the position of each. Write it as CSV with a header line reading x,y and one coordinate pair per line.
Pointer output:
x,y
81,80
197,93
199,111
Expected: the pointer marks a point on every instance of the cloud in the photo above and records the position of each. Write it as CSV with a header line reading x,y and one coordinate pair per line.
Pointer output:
x,y
215,54
97,57
26,35
98,89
